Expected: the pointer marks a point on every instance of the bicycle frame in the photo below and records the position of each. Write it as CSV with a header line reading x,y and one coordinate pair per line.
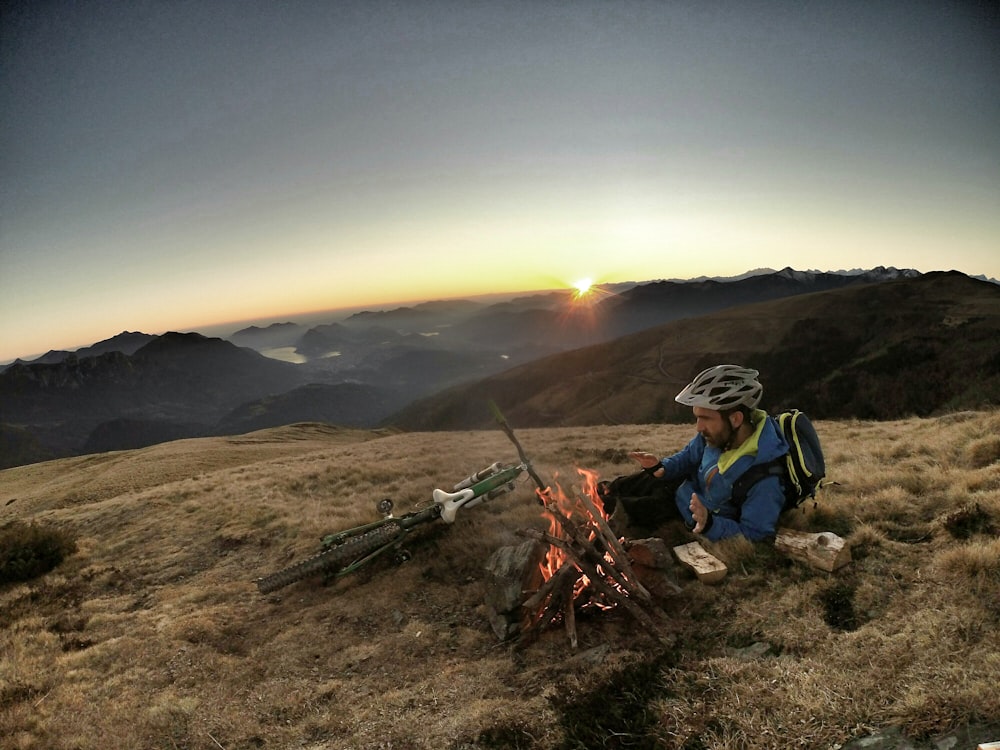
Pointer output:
x,y
347,551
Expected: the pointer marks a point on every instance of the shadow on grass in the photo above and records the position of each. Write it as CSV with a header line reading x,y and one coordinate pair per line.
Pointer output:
x,y
617,713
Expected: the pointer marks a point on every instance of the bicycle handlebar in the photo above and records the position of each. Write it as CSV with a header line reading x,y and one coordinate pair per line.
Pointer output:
x,y
482,486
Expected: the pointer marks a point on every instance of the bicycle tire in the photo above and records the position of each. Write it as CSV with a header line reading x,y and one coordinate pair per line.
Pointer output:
x,y
333,559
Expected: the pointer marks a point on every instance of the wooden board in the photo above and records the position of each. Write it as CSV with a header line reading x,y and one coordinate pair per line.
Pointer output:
x,y
825,550
708,568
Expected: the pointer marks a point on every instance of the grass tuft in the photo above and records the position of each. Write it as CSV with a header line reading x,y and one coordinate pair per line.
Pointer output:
x,y
509,736
969,520
983,452
976,568
28,550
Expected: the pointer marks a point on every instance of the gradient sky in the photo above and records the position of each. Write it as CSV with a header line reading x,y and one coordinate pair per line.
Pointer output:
x,y
172,165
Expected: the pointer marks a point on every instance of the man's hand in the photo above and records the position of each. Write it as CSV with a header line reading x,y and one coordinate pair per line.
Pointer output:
x,y
699,512
644,459
649,462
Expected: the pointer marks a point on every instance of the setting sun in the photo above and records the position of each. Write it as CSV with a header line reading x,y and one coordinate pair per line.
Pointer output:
x,y
582,287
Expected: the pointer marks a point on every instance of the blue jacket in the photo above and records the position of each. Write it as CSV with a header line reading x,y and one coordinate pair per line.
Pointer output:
x,y
699,462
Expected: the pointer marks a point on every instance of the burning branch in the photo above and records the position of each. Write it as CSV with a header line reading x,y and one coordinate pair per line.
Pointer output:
x,y
587,570
619,556
553,598
585,564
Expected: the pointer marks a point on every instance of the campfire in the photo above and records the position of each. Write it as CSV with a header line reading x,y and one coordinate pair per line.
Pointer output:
x,y
578,564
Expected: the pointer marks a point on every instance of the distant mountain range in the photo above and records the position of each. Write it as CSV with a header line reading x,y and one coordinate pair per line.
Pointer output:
x,y
524,328
125,342
177,384
818,338
519,329
909,347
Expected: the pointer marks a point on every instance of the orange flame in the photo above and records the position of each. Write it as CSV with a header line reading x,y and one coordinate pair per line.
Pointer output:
x,y
573,507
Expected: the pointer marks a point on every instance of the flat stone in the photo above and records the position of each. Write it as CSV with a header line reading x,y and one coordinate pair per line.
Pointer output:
x,y
651,553
510,573
891,738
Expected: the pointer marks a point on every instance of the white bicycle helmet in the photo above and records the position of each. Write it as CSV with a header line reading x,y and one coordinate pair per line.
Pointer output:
x,y
723,387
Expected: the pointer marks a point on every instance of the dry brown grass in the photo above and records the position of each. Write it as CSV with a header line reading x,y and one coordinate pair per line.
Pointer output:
x,y
153,635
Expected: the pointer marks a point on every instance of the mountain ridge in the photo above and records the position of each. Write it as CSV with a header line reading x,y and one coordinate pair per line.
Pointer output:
x,y
176,378
846,364
286,333
187,384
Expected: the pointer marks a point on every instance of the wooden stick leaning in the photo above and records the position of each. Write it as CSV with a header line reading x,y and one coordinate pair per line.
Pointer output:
x,y
569,621
560,603
544,491
536,600
554,597
620,556
502,421
596,579
594,556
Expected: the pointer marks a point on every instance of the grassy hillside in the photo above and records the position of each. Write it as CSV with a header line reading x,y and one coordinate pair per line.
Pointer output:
x,y
152,634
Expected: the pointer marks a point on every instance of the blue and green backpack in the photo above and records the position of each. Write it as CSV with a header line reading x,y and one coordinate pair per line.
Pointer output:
x,y
802,470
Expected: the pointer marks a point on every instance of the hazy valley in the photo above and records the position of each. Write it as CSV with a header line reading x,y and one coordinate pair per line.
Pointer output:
x,y
831,343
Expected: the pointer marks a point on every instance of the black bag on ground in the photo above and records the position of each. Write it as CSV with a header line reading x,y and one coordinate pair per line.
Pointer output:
x,y
647,501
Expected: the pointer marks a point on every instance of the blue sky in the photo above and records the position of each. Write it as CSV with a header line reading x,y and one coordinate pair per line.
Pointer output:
x,y
176,165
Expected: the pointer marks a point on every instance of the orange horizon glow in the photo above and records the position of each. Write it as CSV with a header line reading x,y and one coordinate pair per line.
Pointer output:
x,y
215,315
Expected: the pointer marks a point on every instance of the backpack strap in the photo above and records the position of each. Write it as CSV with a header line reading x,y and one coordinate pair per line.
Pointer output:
x,y
757,472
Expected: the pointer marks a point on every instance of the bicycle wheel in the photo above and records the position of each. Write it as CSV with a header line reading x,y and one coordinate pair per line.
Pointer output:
x,y
333,559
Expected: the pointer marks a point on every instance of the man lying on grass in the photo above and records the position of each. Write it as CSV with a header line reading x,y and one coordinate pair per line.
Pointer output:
x,y
733,436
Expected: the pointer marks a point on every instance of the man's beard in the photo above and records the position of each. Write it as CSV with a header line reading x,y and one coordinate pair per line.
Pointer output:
x,y
723,439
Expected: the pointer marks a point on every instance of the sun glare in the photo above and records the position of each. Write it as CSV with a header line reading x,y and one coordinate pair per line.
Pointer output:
x,y
582,287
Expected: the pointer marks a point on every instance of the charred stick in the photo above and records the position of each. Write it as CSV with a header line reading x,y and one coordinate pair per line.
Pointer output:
x,y
592,554
597,582
606,534
562,598
535,600
588,568
619,554
555,541
569,621
629,604
575,557
560,601
551,598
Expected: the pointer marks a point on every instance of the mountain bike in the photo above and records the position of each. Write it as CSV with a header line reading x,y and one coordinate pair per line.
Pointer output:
x,y
346,552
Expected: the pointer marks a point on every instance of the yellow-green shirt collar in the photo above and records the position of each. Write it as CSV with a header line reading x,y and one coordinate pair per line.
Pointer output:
x,y
749,446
